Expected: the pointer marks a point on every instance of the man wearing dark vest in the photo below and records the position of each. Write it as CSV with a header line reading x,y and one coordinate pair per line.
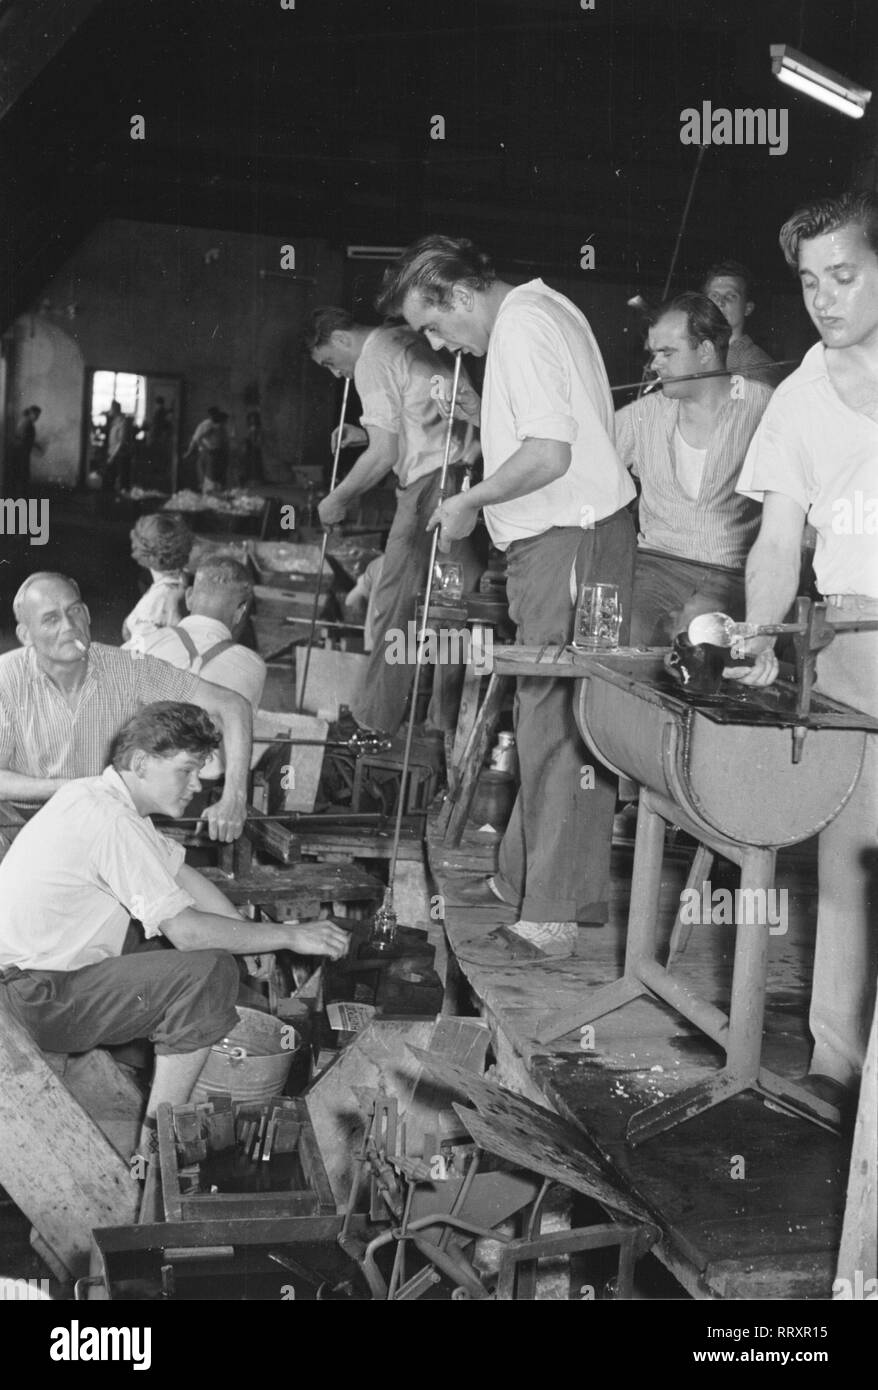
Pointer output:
x,y
203,642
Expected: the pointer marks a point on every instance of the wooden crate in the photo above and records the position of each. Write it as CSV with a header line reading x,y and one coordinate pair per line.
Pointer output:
x,y
314,1199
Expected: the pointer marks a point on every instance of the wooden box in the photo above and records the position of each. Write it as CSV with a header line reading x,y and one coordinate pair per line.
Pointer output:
x,y
299,1184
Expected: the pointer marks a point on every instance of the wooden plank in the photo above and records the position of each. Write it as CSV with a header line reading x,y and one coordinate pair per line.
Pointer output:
x,y
313,1166
466,718
55,1163
529,1135
108,1096
461,1042
252,1206
459,803
361,844
376,1057
171,1196
264,886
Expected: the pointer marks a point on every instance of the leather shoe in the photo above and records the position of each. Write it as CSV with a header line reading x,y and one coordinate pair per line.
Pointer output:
x,y
475,892
833,1092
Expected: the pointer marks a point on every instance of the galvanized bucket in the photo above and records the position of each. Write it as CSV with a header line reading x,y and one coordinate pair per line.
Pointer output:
x,y
252,1063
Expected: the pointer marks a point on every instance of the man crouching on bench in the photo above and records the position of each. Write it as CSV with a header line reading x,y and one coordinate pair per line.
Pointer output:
x,y
91,860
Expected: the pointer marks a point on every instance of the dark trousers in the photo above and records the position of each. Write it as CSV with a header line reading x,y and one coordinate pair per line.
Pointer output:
x,y
380,699
669,592
555,855
180,1000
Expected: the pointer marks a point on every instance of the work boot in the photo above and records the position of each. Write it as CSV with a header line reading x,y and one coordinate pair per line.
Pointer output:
x,y
549,940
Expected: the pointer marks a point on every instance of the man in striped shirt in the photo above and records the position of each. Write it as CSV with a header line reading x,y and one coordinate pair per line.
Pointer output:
x,y
686,445
63,699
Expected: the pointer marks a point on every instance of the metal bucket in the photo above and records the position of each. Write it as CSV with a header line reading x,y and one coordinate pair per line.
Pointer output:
x,y
252,1063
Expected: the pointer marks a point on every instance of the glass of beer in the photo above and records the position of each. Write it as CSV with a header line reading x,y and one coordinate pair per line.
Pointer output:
x,y
448,581
598,618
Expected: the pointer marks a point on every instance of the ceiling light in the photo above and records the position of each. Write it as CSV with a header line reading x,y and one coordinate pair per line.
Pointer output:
x,y
817,81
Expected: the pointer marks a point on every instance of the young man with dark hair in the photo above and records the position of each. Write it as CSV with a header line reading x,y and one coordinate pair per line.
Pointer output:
x,y
814,459
729,285
686,445
91,860
554,496
398,378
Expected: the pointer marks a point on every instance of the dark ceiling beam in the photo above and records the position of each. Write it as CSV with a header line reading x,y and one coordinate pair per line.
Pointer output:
x,y
31,33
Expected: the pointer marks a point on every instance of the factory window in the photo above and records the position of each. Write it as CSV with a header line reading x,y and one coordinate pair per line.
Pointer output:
x,y
126,388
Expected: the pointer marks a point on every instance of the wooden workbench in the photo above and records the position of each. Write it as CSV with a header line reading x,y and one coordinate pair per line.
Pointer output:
x,y
771,1233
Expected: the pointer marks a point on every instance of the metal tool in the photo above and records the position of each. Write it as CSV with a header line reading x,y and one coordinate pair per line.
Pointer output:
x,y
325,542
648,386
810,633
385,921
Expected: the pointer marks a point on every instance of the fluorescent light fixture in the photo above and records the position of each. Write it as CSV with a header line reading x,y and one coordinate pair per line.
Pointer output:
x,y
374,253
817,81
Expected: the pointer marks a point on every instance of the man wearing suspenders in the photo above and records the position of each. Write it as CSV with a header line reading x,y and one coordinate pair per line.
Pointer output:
x,y
203,641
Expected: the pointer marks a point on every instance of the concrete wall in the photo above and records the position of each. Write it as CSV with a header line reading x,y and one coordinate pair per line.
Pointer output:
x,y
148,301
155,299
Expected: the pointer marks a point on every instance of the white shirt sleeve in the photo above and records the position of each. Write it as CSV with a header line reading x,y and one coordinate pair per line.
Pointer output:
x,y
380,390
533,356
776,462
139,868
626,436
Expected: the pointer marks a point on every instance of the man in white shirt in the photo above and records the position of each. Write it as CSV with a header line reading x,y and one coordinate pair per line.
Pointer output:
x,y
88,862
814,458
686,444
554,495
398,379
203,644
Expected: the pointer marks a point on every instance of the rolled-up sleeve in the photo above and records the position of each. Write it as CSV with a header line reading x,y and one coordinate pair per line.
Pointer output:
x,y
379,391
776,462
626,436
537,379
138,866
159,680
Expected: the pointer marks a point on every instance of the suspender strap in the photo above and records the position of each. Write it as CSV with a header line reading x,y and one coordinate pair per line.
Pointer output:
x,y
204,657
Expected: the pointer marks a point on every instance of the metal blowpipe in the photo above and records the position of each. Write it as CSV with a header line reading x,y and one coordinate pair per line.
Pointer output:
x,y
719,630
344,406
385,923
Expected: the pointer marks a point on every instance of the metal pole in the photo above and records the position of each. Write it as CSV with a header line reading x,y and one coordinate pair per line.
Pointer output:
x,y
344,406
683,221
387,905
699,376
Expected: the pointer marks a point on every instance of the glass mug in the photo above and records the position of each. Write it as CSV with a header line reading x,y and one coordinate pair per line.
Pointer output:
x,y
598,618
448,581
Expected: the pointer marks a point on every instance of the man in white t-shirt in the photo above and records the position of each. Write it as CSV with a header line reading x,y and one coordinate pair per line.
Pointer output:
x,y
554,495
814,458
399,380
202,643
686,444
